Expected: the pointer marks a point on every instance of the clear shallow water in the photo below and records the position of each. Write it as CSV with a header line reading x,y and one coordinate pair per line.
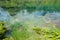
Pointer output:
x,y
4,15
24,15
30,19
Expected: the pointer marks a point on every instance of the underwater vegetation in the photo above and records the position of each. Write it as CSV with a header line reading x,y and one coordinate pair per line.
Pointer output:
x,y
29,19
32,31
29,26
32,27
3,31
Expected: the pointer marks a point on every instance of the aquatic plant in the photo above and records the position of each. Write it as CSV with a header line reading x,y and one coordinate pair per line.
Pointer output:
x,y
28,31
13,6
4,32
25,26
48,34
32,27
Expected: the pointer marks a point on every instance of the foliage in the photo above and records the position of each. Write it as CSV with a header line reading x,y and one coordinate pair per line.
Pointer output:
x,y
1,27
16,5
2,31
